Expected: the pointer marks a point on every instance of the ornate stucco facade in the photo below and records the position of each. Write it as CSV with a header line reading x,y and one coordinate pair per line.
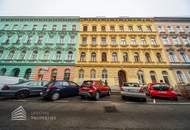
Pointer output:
x,y
119,50
38,47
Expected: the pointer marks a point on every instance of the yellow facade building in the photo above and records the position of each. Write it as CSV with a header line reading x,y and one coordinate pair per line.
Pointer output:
x,y
121,50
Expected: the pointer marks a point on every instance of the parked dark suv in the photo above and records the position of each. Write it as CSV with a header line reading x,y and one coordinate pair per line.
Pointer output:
x,y
56,89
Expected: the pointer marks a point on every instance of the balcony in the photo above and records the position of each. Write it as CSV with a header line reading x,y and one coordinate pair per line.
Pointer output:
x,y
103,44
155,45
134,45
84,44
93,44
114,44
144,45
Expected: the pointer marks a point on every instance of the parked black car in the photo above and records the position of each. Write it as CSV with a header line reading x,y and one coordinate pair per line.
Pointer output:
x,y
56,89
23,90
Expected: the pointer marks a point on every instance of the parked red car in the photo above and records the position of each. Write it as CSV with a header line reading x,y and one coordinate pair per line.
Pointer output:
x,y
161,90
94,89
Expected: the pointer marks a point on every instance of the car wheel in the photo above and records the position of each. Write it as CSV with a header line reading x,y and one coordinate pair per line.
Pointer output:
x,y
97,96
22,94
55,96
109,92
82,97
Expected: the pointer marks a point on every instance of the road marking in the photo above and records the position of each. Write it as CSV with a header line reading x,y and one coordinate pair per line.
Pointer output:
x,y
20,100
170,103
95,101
61,101
154,100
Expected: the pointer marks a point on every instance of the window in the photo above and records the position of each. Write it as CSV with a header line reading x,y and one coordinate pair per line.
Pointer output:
x,y
153,76
93,74
103,40
170,29
165,40
22,54
93,40
103,28
123,41
72,39
153,41
34,55
160,28
70,56
24,27
81,74
176,41
74,27
125,57
104,57
143,41
44,27
61,39
133,41
3,71
147,57
54,27
159,57
112,28
179,29
139,28
93,56
149,29
130,28
64,28
114,57
84,40
184,57
104,75
53,74
58,55
5,27
113,40
46,55
67,74
85,28
94,29
11,54
172,57
27,73
15,27
1,53
83,56
40,39
181,77
185,41
140,76
165,77
136,57
29,39
121,28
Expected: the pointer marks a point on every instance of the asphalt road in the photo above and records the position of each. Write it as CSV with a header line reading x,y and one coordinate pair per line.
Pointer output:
x,y
110,113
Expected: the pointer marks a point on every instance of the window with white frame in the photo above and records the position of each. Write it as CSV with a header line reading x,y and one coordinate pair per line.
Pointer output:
x,y
172,57
11,54
72,39
103,40
170,29
93,74
83,56
113,40
22,54
130,28
64,28
125,57
104,75
153,41
70,56
93,40
184,57
136,57
1,53
104,56
46,55
140,76
133,41
121,28
153,76
84,40
93,56
112,28
165,77
58,55
139,28
74,27
165,40
122,41
114,57
81,74
181,77
143,41
34,55
160,28
149,29
185,40
176,41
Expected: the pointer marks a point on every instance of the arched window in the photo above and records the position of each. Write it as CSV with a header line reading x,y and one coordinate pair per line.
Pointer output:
x,y
172,57
3,71
153,76
184,57
83,56
53,74
11,54
147,56
22,54
58,55
46,55
67,74
104,56
181,77
159,57
1,53
125,57
114,57
15,72
27,73
136,57
93,74
140,76
81,74
165,77
70,56
34,55
104,75
93,56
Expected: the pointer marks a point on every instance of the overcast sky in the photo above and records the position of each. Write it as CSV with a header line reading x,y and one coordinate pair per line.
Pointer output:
x,y
92,8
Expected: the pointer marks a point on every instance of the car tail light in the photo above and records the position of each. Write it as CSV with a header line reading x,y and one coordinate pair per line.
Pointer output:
x,y
5,87
141,90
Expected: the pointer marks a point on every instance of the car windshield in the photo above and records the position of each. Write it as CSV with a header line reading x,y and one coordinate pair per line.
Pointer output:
x,y
161,87
131,85
87,82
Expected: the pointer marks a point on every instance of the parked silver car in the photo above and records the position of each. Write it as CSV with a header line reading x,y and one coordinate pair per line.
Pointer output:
x,y
23,90
132,91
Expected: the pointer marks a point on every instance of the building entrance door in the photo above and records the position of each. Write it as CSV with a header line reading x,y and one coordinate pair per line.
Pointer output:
x,y
121,77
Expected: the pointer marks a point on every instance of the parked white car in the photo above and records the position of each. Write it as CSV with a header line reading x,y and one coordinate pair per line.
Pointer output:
x,y
10,80
132,90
